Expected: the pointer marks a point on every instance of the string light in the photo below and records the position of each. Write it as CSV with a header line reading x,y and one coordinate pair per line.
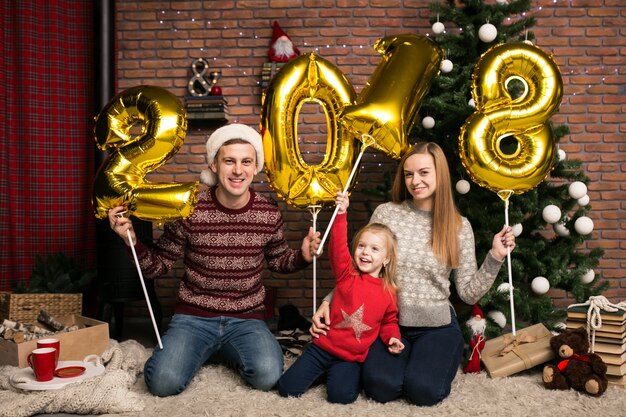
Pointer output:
x,y
162,20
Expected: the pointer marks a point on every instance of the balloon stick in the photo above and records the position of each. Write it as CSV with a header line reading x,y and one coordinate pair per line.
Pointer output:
x,y
314,210
504,195
145,292
366,140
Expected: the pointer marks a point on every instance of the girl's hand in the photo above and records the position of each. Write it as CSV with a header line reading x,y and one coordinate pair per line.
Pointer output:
x,y
321,320
501,241
342,201
395,346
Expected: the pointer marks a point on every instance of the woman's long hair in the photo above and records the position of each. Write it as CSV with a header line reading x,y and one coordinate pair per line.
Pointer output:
x,y
446,217
388,272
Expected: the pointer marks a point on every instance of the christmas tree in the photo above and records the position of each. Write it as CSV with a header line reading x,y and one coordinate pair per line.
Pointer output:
x,y
465,30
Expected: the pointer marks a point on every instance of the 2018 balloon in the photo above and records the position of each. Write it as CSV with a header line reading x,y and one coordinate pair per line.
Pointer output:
x,y
120,180
507,144
387,107
307,78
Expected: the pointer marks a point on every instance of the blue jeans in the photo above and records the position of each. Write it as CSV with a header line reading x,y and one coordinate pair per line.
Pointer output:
x,y
423,372
342,380
244,344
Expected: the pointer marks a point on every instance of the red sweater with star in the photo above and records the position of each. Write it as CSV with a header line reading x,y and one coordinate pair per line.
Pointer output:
x,y
361,308
224,252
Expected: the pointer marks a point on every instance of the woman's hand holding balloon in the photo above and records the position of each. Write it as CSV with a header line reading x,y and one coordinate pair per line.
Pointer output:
x,y
503,241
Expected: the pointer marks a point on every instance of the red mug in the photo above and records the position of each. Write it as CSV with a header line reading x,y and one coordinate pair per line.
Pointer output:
x,y
53,343
41,360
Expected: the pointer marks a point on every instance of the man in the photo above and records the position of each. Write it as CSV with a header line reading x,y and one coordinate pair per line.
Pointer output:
x,y
224,244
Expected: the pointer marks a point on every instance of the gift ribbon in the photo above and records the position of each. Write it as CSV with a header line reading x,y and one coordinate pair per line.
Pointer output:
x,y
511,341
596,304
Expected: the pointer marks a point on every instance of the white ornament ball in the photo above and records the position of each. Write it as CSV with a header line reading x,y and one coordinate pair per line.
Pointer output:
x,y
487,32
438,28
583,201
583,225
561,230
446,65
462,186
498,317
472,103
502,2
588,276
551,214
428,122
577,190
517,229
540,285
504,288
562,155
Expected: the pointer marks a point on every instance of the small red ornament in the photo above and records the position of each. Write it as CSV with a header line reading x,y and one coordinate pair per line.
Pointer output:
x,y
281,46
477,324
216,90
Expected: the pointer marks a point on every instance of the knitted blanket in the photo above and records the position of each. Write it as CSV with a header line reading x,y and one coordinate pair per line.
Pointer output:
x,y
106,393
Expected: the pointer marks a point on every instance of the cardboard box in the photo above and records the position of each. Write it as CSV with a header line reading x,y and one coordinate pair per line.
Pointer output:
x,y
91,338
508,354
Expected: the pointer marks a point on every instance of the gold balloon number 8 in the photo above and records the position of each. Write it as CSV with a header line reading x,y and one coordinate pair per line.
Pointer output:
x,y
385,110
121,181
507,144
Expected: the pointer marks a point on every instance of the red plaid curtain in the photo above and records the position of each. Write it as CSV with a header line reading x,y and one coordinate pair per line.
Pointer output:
x,y
47,147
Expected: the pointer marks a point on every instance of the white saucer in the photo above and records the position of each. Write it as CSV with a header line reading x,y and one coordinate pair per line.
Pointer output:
x,y
25,378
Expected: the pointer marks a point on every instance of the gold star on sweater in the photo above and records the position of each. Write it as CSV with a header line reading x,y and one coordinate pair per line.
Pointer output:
x,y
355,321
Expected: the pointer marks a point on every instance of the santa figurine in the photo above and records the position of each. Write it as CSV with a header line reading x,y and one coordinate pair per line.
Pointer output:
x,y
281,48
477,325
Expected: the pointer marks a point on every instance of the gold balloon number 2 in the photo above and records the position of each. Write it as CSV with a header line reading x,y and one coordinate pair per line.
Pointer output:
x,y
121,179
507,144
385,110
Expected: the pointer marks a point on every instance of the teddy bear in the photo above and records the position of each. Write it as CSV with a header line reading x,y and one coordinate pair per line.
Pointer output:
x,y
578,369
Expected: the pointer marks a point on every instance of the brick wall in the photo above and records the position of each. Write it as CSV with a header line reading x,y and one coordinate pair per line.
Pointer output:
x,y
158,40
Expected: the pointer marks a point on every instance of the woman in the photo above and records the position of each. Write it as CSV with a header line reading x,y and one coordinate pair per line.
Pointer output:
x,y
434,240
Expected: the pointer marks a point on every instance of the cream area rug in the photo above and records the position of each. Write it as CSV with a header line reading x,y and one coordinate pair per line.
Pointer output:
x,y
218,391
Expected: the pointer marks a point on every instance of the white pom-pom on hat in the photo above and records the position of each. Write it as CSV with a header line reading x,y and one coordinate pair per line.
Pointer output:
x,y
224,134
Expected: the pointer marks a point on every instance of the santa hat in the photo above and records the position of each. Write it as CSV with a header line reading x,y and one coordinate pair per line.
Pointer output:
x,y
224,134
277,33
477,312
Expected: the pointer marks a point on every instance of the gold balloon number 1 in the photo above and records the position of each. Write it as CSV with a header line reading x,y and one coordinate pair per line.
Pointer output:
x,y
502,120
385,110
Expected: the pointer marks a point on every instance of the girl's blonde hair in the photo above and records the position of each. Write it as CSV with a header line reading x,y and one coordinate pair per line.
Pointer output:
x,y
388,272
446,217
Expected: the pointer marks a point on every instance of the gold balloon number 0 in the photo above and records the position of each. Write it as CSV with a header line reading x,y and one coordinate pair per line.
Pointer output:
x,y
307,78
507,144
385,110
121,179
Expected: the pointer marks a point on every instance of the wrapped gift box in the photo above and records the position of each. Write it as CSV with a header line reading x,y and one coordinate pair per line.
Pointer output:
x,y
91,337
508,354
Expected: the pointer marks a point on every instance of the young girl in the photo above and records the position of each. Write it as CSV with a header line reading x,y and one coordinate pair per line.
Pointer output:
x,y
435,243
363,308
